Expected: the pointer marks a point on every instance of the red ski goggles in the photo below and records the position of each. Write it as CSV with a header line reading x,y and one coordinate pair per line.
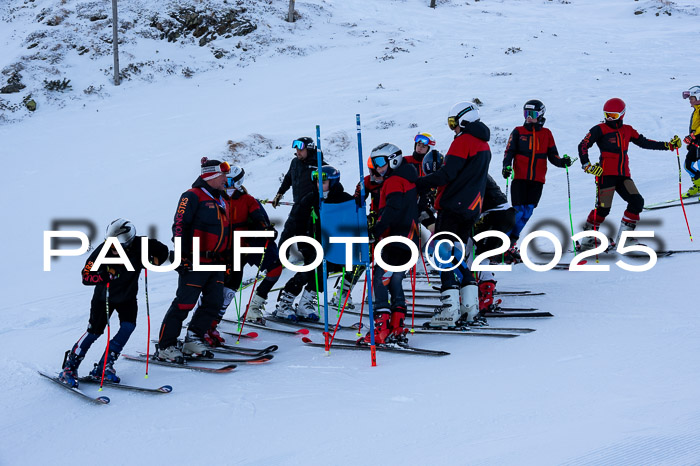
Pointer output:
x,y
223,167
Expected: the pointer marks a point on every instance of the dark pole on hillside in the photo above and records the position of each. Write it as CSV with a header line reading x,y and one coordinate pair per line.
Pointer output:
x,y
115,39
432,3
290,15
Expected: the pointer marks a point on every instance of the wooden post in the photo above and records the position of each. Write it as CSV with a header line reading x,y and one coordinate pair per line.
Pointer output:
x,y
290,16
432,3
115,42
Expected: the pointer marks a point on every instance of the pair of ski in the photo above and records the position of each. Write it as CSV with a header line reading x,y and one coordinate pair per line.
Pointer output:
x,y
435,291
103,400
426,311
672,203
498,332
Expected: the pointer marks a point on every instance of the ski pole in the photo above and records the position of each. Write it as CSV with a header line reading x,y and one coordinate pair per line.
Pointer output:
x,y
595,215
319,160
413,302
362,305
104,363
148,317
680,193
265,201
568,193
257,275
368,261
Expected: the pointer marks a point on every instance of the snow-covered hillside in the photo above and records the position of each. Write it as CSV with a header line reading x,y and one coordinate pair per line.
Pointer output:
x,y
611,379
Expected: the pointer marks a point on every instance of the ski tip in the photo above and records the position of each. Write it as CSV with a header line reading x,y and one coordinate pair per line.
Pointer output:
x,y
251,335
228,368
102,399
306,340
165,389
271,349
303,331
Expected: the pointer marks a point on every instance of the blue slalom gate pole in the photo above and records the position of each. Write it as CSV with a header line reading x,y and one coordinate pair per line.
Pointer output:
x,y
319,161
368,262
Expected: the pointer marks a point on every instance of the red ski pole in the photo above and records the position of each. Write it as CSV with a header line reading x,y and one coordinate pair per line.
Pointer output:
x,y
148,317
680,193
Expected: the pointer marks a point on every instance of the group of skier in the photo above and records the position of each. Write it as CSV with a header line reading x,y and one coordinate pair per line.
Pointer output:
x,y
444,194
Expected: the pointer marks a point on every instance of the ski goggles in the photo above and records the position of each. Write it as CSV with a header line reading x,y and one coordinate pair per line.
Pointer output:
x,y
223,167
380,161
297,144
452,122
534,114
689,94
235,181
425,140
613,115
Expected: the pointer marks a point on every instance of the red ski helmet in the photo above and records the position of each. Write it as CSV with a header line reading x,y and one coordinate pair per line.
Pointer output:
x,y
614,109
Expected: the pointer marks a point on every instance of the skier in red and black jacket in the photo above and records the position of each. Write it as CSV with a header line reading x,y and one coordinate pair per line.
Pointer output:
x,y
245,214
123,289
529,148
461,182
398,216
612,172
202,213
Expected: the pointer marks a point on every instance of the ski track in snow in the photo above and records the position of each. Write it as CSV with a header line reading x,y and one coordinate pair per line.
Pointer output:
x,y
611,379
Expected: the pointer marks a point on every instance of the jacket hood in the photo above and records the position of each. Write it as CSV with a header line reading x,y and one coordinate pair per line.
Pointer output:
x,y
405,170
478,130
538,126
615,124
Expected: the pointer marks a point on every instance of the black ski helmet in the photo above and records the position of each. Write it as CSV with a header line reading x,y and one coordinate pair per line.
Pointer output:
x,y
432,162
534,109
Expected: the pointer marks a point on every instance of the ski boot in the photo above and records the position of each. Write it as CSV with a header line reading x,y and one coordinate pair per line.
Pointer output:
x,y
69,374
255,310
469,309
212,337
284,309
170,354
195,346
307,307
110,373
447,314
399,334
381,328
694,190
486,300
339,299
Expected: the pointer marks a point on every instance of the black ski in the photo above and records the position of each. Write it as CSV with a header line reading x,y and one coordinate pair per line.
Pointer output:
x,y
121,386
352,345
211,358
671,203
100,400
301,331
211,370
465,331
235,349
518,314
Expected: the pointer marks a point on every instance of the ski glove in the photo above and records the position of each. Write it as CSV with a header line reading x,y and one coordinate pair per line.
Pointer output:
x,y
674,143
276,201
108,275
567,161
690,139
507,171
595,170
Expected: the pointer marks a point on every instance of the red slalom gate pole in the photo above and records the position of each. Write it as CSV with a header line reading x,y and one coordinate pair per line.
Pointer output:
x,y
148,316
680,193
413,304
104,363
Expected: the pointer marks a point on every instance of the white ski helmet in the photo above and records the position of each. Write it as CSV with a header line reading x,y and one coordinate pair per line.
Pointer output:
x,y
461,113
692,92
385,154
123,230
235,178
